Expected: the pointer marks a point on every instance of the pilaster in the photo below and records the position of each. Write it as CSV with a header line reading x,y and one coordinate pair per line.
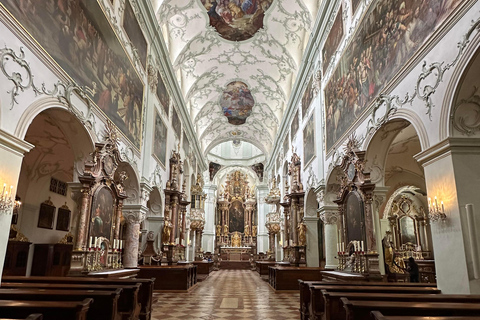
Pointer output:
x,y
330,218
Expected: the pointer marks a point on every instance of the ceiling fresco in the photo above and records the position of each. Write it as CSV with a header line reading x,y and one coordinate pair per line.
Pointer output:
x,y
260,58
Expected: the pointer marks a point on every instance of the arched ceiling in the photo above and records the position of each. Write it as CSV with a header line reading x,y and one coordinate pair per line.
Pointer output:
x,y
222,79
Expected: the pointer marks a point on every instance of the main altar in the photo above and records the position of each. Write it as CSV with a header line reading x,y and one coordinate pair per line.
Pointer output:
x,y
236,219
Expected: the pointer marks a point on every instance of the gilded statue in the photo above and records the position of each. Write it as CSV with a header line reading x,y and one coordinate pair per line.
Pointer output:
x,y
302,234
254,231
225,230
219,230
167,229
390,260
247,230
236,240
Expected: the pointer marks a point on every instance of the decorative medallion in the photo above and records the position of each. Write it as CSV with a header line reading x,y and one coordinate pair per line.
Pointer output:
x,y
236,20
237,102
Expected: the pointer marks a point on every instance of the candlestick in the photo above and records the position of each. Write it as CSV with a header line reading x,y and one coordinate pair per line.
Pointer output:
x,y
362,246
90,242
121,244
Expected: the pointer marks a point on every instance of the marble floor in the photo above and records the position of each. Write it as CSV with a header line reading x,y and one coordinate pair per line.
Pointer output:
x,y
228,294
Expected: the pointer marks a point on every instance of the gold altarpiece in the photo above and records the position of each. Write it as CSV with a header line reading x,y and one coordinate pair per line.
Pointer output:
x,y
236,225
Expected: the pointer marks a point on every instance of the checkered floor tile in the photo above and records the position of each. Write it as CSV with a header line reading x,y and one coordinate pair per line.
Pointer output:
x,y
228,294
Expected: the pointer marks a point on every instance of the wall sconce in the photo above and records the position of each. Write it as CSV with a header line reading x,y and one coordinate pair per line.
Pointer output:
x,y
436,212
6,201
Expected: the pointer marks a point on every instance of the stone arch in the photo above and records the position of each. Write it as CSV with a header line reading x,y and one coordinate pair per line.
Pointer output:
x,y
155,203
332,187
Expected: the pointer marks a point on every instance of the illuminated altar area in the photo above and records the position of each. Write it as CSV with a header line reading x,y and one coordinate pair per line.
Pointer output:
x,y
236,221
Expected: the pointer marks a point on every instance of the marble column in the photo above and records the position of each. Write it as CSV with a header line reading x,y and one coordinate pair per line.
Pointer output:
x,y
330,218
133,220
174,207
262,210
83,220
379,198
208,238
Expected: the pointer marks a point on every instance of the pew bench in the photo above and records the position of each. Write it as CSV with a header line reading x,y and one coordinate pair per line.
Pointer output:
x,y
35,316
360,310
51,310
304,287
317,302
128,305
377,315
103,307
176,278
286,278
145,294
334,309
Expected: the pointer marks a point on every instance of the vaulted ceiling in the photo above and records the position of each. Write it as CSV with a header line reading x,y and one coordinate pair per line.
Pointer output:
x,y
236,63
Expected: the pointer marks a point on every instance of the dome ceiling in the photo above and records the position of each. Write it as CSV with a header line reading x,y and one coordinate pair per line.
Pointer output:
x,y
236,90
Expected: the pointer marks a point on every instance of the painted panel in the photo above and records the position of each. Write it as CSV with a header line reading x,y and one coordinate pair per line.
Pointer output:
x,y
236,220
176,123
294,127
162,94
308,96
236,20
102,214
160,140
134,32
333,40
309,140
78,36
387,37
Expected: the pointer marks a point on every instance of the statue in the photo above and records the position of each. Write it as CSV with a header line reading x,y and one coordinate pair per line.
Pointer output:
x,y
247,230
219,230
302,234
167,229
225,230
254,231
236,240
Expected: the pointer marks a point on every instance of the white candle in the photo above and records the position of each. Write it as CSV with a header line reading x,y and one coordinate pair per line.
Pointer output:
x,y
115,244
121,244
338,249
96,242
90,242
343,247
362,246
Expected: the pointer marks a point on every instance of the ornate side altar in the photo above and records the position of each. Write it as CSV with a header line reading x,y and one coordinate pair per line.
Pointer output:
x,y
273,218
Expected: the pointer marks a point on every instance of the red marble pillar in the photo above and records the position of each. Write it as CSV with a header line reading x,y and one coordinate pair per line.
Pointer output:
x,y
174,206
130,255
83,220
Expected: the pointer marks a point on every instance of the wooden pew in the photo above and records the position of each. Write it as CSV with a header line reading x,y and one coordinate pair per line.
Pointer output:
x,y
145,294
177,278
377,315
128,306
334,309
104,306
317,306
286,278
262,266
51,310
304,287
34,316
360,310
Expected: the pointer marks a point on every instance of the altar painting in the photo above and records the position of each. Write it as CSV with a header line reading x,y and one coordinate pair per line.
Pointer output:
x,y
236,20
309,140
102,213
387,37
333,40
236,217
354,217
237,102
160,139
78,36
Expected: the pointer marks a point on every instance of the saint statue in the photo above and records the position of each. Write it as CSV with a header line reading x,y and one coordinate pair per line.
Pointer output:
x,y
219,230
254,231
225,230
247,230
167,229
302,234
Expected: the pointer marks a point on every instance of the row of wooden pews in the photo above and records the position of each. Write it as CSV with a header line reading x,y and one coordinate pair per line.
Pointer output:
x,y
84,298
33,316
286,278
357,301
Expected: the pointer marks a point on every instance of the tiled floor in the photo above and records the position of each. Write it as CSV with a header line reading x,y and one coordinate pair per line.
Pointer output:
x,y
228,294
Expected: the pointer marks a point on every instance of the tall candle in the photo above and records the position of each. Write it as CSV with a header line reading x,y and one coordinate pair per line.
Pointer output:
x,y
121,244
362,246
90,242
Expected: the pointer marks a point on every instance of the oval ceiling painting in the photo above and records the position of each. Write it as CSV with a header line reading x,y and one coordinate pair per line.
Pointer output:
x,y
236,20
237,102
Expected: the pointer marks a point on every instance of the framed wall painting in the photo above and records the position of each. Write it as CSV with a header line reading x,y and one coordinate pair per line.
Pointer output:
x,y
162,94
63,218
186,143
176,123
81,40
333,40
285,145
294,126
309,141
307,98
134,32
160,134
46,215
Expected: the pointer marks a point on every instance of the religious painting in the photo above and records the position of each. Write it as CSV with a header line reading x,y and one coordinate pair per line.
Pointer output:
x,y
309,140
407,230
355,4
354,217
295,125
134,32
333,40
236,220
176,123
307,97
237,102
160,139
63,218
213,168
102,213
162,94
186,144
236,20
46,215
387,37
78,36
285,144
258,168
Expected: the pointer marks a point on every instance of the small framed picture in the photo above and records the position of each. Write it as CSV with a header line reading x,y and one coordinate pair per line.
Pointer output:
x,y
63,218
46,215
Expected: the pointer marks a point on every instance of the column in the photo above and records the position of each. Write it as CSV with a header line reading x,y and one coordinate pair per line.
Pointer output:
x,y
82,221
133,220
208,238
379,198
312,250
174,208
330,219
262,210
294,224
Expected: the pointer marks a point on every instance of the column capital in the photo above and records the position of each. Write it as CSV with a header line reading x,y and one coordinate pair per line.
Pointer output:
x,y
134,217
329,217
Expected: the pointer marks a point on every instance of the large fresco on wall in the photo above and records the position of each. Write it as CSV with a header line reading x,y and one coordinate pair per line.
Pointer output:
x,y
134,32
236,220
294,127
162,94
160,139
390,32
309,140
213,168
237,102
308,96
333,40
176,123
78,36
236,20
